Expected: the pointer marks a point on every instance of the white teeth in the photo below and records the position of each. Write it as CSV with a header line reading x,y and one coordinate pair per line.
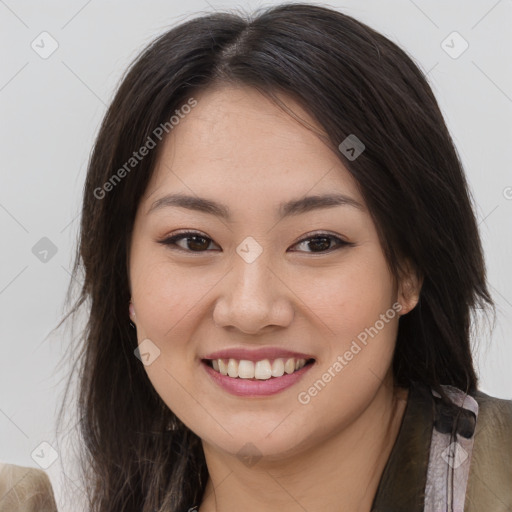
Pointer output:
x,y
261,370
233,368
278,368
289,366
246,369
223,367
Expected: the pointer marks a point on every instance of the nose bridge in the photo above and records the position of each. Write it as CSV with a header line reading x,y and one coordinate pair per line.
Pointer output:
x,y
253,297
252,281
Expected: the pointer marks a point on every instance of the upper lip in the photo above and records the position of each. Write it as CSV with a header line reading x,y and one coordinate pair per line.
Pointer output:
x,y
257,354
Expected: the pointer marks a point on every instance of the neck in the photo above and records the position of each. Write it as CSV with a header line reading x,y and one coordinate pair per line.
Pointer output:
x,y
343,473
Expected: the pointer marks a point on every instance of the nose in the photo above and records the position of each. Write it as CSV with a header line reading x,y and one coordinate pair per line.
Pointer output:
x,y
253,296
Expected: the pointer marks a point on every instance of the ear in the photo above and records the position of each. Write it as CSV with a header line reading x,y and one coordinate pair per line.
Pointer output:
x,y
409,287
131,309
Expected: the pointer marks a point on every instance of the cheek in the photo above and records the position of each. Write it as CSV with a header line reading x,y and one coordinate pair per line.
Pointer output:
x,y
352,296
165,294
166,300
357,350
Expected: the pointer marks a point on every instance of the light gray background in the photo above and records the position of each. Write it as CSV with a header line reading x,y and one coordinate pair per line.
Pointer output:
x,y
50,112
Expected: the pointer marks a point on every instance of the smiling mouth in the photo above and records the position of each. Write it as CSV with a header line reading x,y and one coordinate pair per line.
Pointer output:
x,y
265,369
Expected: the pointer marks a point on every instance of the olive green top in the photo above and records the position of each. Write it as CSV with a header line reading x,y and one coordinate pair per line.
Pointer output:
x,y
489,486
24,489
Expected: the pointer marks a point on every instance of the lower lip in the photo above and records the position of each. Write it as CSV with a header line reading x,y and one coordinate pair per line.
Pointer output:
x,y
247,387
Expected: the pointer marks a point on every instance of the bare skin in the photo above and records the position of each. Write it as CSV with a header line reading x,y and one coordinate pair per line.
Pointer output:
x,y
342,474
326,451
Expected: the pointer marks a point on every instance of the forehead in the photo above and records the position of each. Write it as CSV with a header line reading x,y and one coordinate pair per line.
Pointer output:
x,y
237,141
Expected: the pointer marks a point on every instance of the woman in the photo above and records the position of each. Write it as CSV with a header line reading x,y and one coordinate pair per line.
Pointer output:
x,y
281,262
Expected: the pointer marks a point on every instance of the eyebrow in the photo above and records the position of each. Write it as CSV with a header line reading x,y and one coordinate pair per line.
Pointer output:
x,y
285,209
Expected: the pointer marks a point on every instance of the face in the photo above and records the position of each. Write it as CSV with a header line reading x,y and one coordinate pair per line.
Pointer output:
x,y
254,281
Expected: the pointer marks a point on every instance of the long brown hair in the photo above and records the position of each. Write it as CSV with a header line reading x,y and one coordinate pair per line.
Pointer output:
x,y
352,80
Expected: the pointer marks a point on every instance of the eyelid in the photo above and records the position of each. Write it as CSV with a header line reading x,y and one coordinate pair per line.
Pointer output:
x,y
339,239
319,233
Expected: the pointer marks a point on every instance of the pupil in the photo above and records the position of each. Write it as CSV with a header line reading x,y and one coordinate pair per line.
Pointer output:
x,y
193,240
326,243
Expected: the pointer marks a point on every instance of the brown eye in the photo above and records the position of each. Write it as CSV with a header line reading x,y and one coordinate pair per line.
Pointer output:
x,y
194,242
322,243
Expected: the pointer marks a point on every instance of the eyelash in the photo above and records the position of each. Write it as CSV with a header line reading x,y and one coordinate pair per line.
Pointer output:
x,y
171,241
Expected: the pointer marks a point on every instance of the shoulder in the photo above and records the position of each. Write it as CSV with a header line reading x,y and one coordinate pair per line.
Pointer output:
x,y
25,490
497,410
490,477
494,425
